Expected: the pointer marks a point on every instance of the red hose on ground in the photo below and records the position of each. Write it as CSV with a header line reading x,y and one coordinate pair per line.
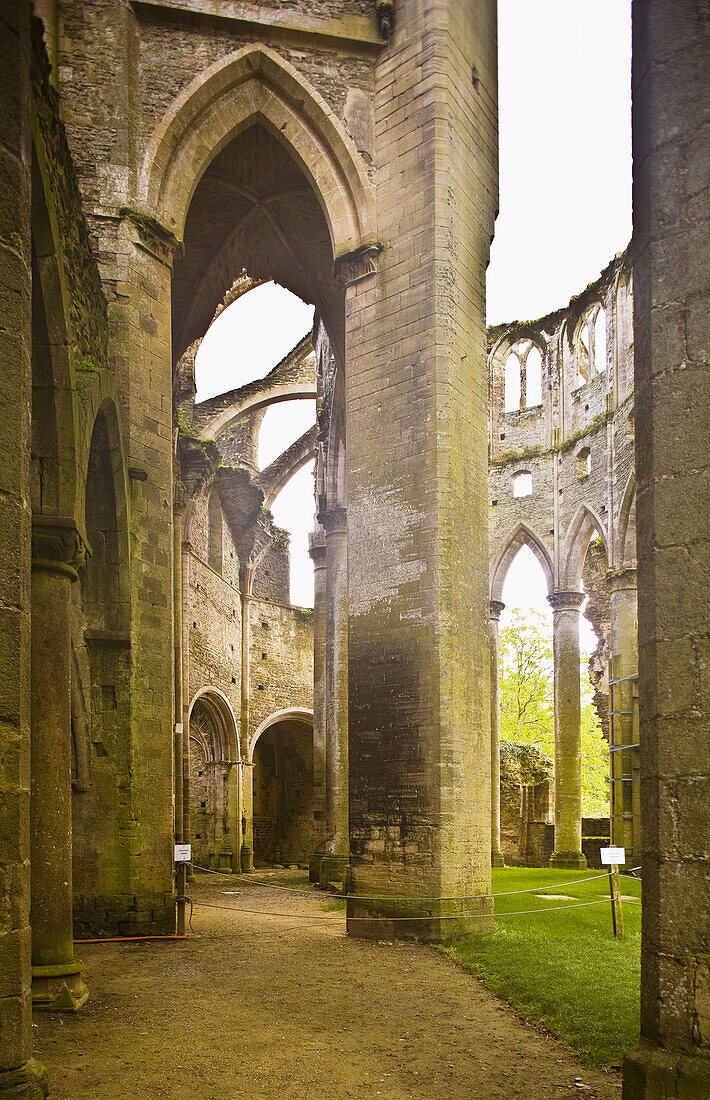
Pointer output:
x,y
124,939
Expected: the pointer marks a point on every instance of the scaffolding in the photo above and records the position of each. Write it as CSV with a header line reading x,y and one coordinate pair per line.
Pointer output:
x,y
624,762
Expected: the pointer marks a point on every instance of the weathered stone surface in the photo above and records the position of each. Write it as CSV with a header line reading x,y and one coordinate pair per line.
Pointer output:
x,y
671,45
17,1076
418,639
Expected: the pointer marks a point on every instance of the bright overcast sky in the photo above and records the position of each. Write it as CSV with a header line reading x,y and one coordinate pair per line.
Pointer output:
x,y
565,210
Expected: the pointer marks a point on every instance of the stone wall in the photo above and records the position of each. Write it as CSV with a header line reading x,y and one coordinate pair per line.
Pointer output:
x,y
577,443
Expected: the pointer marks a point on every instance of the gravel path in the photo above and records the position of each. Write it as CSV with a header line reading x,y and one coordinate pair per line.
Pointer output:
x,y
258,1006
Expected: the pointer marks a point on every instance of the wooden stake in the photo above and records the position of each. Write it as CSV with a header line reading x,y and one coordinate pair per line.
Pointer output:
x,y
617,917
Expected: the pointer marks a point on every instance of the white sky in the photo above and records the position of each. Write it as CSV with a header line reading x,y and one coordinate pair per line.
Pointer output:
x,y
249,338
565,210
565,151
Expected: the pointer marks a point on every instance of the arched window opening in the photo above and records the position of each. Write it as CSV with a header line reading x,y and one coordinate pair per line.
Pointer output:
x,y
583,345
591,345
526,715
293,510
243,343
512,383
282,425
600,341
214,532
584,462
522,484
533,377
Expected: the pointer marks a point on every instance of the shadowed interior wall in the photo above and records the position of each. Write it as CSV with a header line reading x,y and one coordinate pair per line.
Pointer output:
x,y
283,794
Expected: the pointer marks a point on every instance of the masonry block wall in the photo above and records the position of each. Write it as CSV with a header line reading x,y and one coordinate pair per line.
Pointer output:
x,y
576,442
566,446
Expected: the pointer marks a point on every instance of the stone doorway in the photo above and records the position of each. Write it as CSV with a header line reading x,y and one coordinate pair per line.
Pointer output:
x,y
283,794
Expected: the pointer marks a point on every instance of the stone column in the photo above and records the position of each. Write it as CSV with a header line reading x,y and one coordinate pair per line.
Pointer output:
x,y
671,153
625,822
317,552
247,822
334,865
568,735
21,1078
234,813
247,827
496,854
416,473
57,554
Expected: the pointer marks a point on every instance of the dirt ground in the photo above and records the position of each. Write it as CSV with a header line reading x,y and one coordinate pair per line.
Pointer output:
x,y
276,1006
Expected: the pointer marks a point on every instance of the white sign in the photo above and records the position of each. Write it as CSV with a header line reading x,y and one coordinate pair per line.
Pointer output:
x,y
183,853
613,855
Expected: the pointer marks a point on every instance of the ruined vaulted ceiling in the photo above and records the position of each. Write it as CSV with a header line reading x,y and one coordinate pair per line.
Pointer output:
x,y
253,209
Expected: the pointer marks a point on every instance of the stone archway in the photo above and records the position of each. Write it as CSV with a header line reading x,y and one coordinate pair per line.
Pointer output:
x,y
214,796
283,791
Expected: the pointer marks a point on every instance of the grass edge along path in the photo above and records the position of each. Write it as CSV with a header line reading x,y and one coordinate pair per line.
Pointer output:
x,y
563,970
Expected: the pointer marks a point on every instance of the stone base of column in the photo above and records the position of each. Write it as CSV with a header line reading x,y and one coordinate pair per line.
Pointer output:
x,y
314,866
497,859
29,1082
568,861
59,987
433,921
246,859
651,1073
98,916
335,872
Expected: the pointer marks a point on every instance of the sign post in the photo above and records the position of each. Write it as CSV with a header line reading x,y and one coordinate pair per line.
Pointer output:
x,y
182,856
613,858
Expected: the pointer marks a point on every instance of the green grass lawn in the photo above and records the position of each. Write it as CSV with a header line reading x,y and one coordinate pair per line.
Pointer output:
x,y
563,969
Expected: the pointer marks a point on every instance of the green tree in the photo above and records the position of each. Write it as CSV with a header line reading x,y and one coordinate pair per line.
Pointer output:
x,y
527,709
526,685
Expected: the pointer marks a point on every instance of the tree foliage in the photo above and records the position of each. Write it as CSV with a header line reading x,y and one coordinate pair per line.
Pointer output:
x,y
527,708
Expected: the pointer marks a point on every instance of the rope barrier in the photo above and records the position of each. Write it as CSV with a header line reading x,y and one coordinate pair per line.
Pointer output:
x,y
398,897
451,916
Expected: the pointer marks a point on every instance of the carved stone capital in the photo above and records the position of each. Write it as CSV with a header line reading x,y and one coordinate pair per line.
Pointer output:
x,y
385,17
357,265
153,236
497,606
316,548
566,601
178,498
335,521
621,580
57,546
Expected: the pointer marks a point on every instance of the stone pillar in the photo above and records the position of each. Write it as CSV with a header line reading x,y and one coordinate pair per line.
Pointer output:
x,y
57,554
671,148
625,821
247,825
21,1078
234,813
317,552
568,734
334,865
416,473
496,854
247,822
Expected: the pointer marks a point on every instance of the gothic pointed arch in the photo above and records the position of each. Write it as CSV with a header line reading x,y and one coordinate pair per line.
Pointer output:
x,y
104,579
521,536
54,482
625,555
256,84
213,725
290,714
585,523
276,476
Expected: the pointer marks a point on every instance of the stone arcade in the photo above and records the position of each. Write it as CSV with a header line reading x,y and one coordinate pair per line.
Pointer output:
x,y
161,157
